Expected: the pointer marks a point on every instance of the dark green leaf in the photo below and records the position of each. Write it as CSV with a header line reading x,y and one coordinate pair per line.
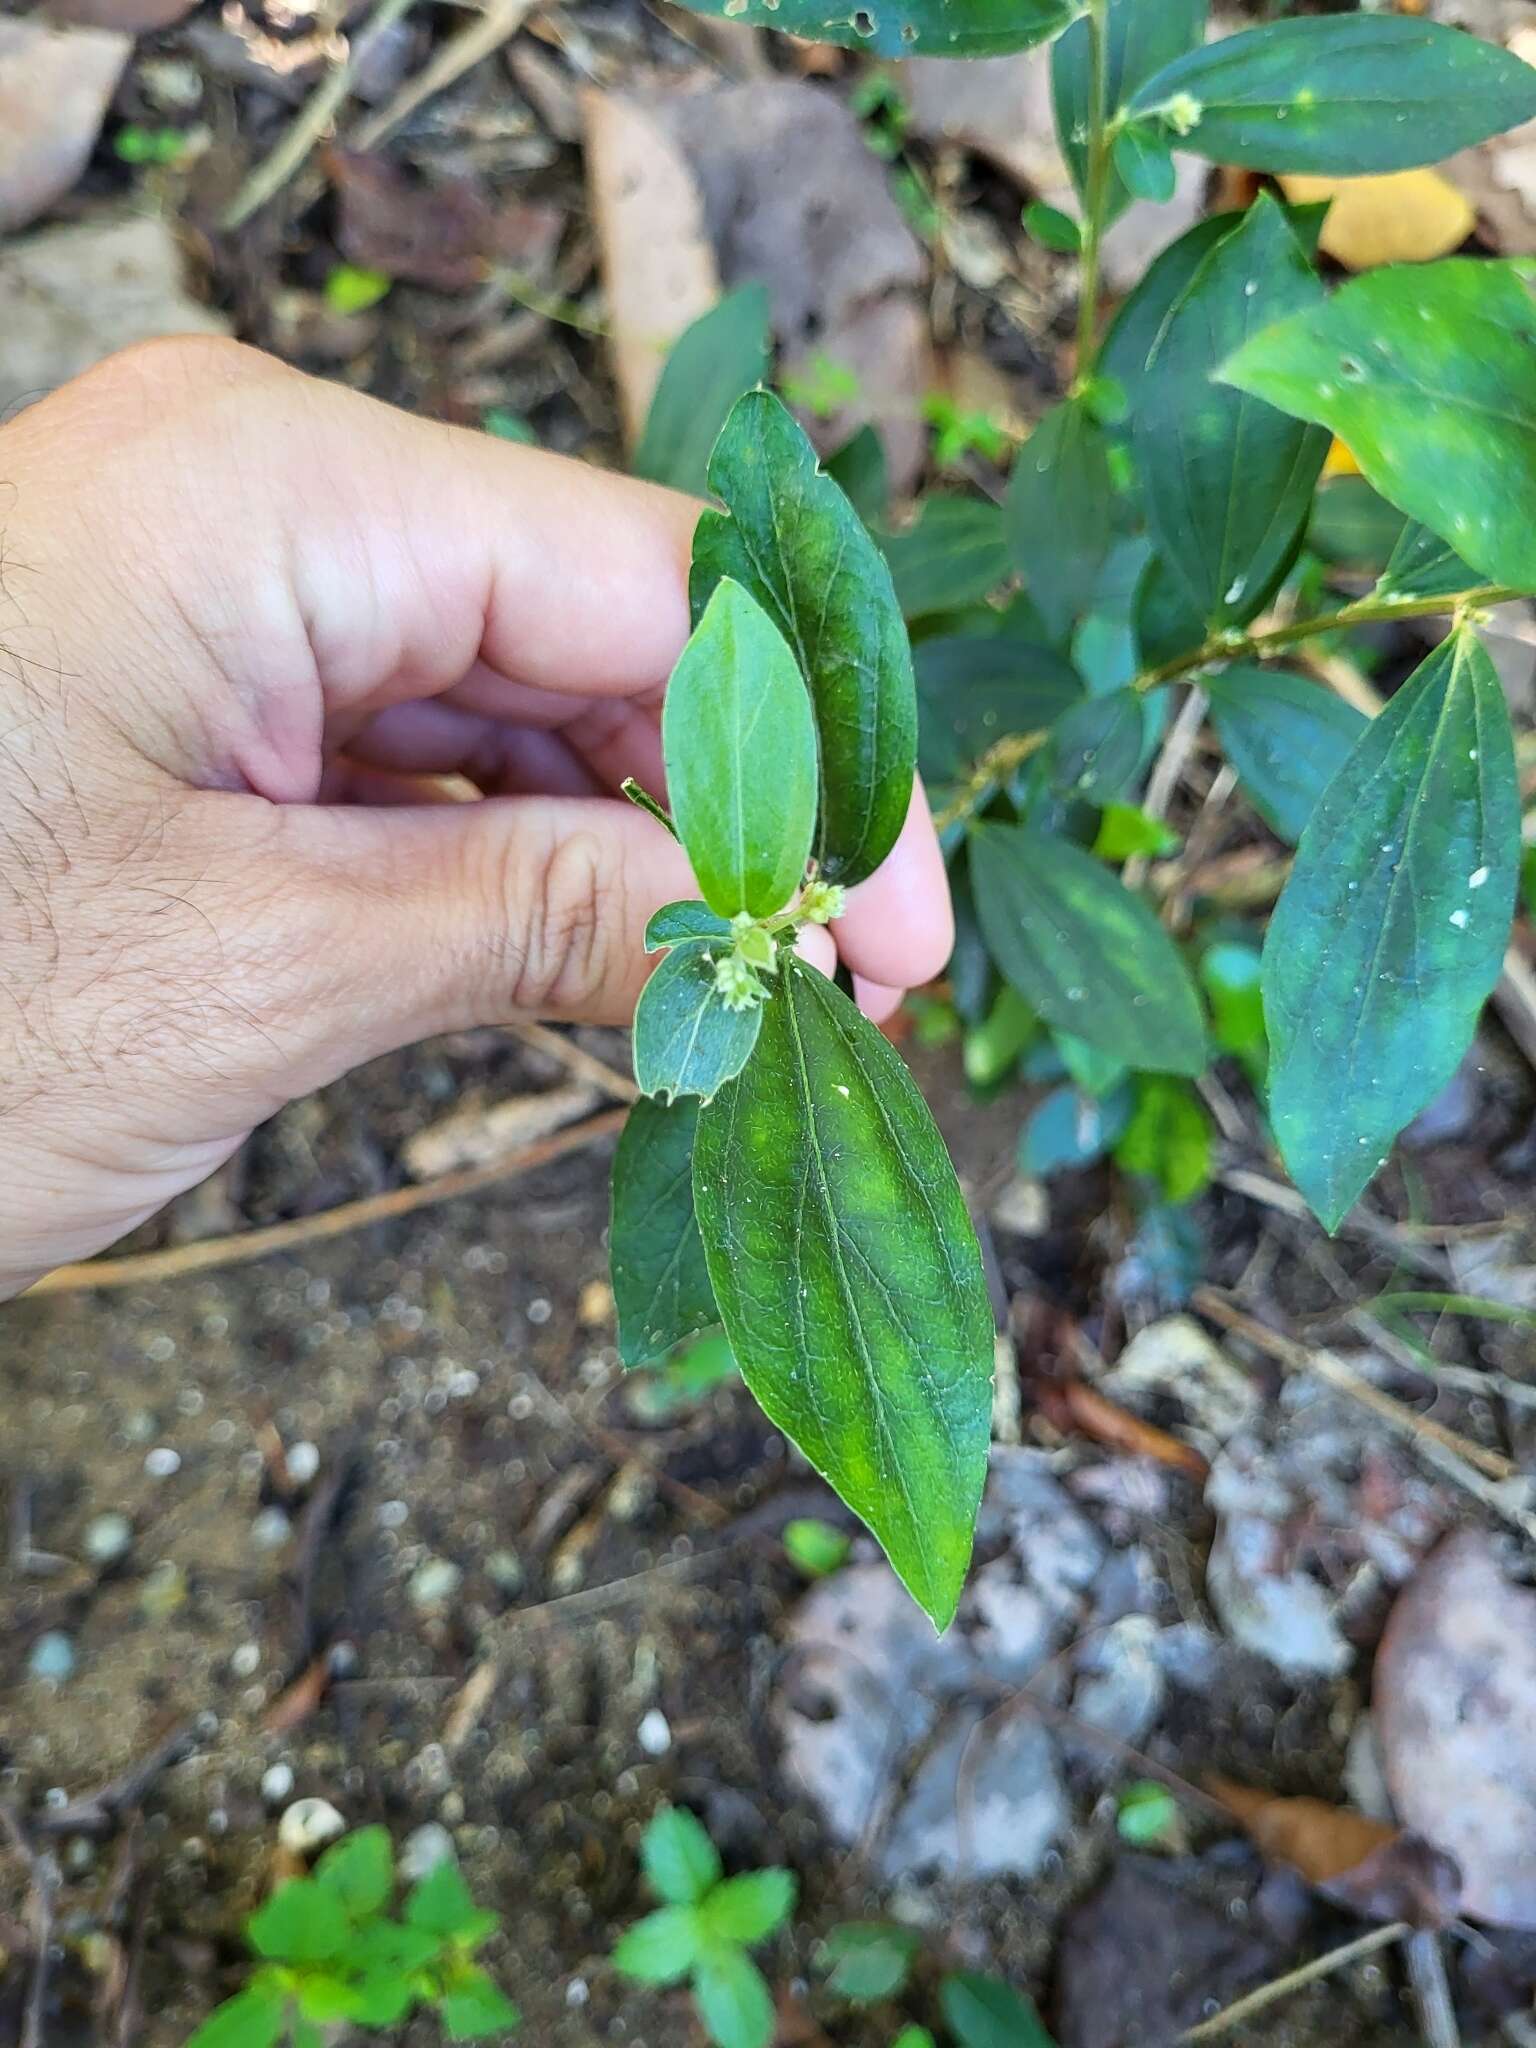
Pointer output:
x,y
302,1922
686,1040
252,2019
734,704
1070,1129
1428,373
908,28
1168,1138
793,540
360,1871
1144,163
860,472
1141,40
442,1903
1285,738
1355,526
675,923
473,2007
983,2013
1167,623
749,1908
723,354
869,1959
1083,951
1226,486
1345,93
974,689
661,1285
849,1278
662,1947
1096,746
732,1999
1052,228
680,1860
1392,927
1423,565
953,554
1060,514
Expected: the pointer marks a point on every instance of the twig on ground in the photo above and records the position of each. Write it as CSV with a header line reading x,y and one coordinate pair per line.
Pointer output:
x,y
1282,1987
141,1268
1170,765
307,127
500,20
1431,1990
99,1813
586,1066
43,1883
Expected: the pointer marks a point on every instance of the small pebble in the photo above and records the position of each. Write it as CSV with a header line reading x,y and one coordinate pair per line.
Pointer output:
x,y
52,1658
655,1733
271,1529
162,1462
308,1825
276,1783
423,1849
434,1583
79,1855
504,1569
245,1660
108,1539
303,1462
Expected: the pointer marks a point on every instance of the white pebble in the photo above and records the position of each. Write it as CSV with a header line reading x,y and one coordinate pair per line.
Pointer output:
x,y
303,1462
655,1733
276,1783
308,1825
423,1850
162,1462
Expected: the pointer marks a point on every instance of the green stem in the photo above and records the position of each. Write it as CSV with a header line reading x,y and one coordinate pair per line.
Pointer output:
x,y
1096,193
1368,611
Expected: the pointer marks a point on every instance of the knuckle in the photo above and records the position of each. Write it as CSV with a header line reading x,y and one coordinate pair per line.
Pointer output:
x,y
564,908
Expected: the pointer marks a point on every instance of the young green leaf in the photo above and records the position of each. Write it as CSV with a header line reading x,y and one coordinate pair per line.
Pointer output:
x,y
1168,1138
1083,951
1230,974
994,1043
1392,927
441,1903
1226,482
1140,41
1059,513
914,2037
849,1278
1052,228
736,702
302,1922
252,2019
1070,1129
687,1041
723,354
473,2008
1428,373
732,1999
1144,164
1341,93
661,1285
680,1860
662,1947
907,28
304,2035
975,688
983,2013
360,1871
953,554
1285,739
675,923
793,541
1423,565
749,1908
869,1959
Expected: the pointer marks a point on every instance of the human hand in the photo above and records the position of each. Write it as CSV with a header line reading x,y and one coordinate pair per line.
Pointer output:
x,y
239,611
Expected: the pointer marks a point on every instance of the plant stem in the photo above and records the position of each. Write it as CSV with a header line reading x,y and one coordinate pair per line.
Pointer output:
x,y
995,766
1369,611
1096,193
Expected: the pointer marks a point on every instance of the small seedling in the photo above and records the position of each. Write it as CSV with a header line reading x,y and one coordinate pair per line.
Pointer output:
x,y
823,387
1147,1816
869,1960
683,1379
135,144
351,289
983,2012
704,1928
332,1954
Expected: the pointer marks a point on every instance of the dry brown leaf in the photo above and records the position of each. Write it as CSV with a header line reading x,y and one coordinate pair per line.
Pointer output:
x,y
1402,217
441,234
55,87
659,268
1074,1405
1454,1703
474,1137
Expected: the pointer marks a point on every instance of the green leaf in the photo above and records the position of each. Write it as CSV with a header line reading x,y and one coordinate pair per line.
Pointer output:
x,y
1428,373
441,1903
1285,738
910,28
974,689
869,1959
662,1947
914,2037
849,1278
1143,163
303,2035
386,1946
1423,565
1168,1138
686,1040
795,543
474,2007
675,923
1094,1071
749,1908
1392,927
1125,830
1060,514
1141,40
1226,482
302,1922
734,705
251,2019
1052,228
1354,526
1083,951
816,1547
360,1871
661,1285
992,1047
983,2013
1146,1814
1096,746
733,2001
953,554
1350,93
860,472
680,1860
1070,1129
1230,975
723,354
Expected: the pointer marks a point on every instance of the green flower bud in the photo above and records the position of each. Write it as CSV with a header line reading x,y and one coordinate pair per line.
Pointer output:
x,y
822,902
736,984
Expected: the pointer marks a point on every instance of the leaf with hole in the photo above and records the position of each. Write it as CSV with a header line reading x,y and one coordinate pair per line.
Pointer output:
x,y
1428,373
1346,93
661,1285
793,541
907,28
1285,739
1083,951
849,1278
1392,927
723,354
687,1039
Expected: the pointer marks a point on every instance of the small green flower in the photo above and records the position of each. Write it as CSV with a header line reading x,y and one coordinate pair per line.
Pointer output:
x,y
736,984
750,942
822,902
